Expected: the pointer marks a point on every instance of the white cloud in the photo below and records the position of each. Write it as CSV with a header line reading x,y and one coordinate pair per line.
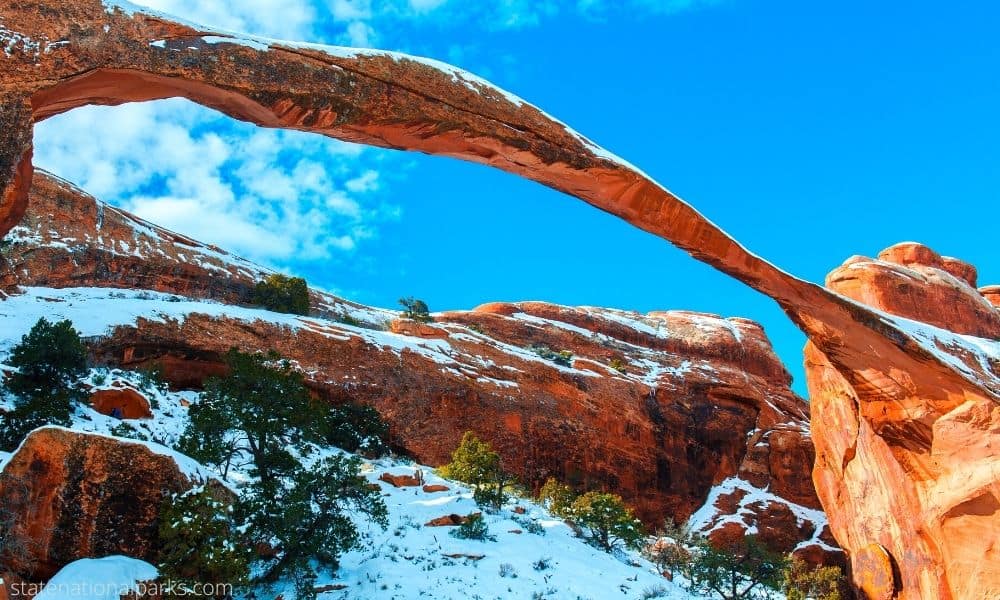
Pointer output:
x,y
425,6
360,35
350,10
278,197
367,182
366,23
283,19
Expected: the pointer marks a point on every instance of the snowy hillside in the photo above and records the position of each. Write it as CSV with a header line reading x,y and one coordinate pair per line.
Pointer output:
x,y
409,560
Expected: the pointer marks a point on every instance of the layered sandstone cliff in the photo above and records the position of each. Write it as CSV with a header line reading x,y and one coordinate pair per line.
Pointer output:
x,y
670,409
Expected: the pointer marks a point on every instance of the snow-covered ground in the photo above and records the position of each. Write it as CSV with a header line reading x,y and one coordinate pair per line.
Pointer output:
x,y
409,560
107,578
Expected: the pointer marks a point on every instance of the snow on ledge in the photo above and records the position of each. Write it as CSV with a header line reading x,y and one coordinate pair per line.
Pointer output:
x,y
707,519
189,467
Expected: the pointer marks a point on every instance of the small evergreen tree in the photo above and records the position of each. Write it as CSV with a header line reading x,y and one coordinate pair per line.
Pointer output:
x,y
474,462
473,528
744,570
50,360
282,293
557,497
263,413
261,410
357,428
415,309
609,522
563,357
306,514
199,543
803,581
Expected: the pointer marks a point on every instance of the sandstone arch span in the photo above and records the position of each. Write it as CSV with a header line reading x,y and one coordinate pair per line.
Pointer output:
x,y
906,416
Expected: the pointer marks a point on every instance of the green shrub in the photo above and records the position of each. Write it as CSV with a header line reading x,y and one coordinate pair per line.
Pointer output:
x,y
347,319
609,523
259,412
474,462
530,525
563,357
803,581
50,361
357,428
198,542
474,528
262,414
744,570
557,497
415,309
618,365
657,591
125,430
670,553
281,293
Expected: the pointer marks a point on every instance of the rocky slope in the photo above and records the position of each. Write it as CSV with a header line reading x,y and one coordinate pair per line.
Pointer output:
x,y
94,494
918,401
668,409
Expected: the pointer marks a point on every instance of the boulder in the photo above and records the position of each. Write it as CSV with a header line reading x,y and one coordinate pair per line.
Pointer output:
x,y
87,496
451,520
400,480
130,403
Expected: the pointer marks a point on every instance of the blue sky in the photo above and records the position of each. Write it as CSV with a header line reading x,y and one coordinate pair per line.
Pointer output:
x,y
810,131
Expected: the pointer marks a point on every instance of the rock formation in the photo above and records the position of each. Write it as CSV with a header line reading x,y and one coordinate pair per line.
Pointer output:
x,y
86,495
919,402
908,465
130,403
70,239
660,407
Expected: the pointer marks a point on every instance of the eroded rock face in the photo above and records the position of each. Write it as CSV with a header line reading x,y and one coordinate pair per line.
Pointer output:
x,y
911,482
125,403
660,407
663,435
68,238
87,495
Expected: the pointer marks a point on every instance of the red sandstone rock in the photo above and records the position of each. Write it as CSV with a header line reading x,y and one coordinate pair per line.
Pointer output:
x,y
434,488
89,496
451,520
991,293
399,480
662,433
96,244
417,329
907,462
913,281
131,403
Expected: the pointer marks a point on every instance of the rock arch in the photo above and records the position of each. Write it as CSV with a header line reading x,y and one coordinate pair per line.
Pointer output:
x,y
892,400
